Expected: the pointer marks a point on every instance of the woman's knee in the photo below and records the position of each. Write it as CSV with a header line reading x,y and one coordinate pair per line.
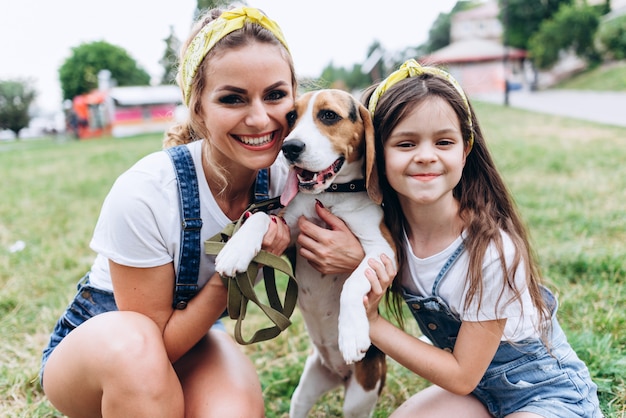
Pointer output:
x,y
220,380
110,345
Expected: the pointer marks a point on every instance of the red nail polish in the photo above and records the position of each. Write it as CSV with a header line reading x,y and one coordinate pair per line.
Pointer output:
x,y
274,219
284,221
247,215
318,203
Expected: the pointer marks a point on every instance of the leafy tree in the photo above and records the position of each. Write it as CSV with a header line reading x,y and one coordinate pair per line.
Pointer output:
x,y
204,5
16,97
170,58
439,33
522,18
79,73
611,37
571,28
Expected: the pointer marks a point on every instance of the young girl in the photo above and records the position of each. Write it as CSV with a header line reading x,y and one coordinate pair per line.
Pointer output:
x,y
467,272
164,353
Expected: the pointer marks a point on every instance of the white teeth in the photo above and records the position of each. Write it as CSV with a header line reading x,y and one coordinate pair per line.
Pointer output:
x,y
259,140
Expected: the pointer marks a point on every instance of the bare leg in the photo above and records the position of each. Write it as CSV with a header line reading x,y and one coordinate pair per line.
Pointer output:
x,y
219,380
435,402
113,365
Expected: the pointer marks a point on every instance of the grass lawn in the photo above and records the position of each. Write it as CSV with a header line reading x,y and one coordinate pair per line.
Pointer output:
x,y
568,178
608,77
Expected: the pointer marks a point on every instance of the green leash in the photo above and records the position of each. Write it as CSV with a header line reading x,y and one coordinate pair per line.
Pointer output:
x,y
241,287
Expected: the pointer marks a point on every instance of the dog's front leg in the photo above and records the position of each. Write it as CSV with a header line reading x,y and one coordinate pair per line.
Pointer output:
x,y
243,246
354,338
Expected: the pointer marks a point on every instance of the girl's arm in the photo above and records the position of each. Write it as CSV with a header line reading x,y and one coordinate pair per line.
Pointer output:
x,y
458,372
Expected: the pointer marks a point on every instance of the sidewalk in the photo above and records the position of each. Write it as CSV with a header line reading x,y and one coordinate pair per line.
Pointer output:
x,y
603,107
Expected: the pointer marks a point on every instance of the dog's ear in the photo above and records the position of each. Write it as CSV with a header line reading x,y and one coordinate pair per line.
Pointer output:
x,y
371,172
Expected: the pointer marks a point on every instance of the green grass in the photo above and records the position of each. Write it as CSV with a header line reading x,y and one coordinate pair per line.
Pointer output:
x,y
568,178
608,77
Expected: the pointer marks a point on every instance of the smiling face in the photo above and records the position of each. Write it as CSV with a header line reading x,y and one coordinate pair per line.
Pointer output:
x,y
247,95
425,154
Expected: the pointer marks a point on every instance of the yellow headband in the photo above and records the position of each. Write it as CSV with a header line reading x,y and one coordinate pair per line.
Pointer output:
x,y
229,21
412,68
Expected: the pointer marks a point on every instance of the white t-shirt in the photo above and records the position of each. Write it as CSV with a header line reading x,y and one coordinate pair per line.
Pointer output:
x,y
140,225
418,276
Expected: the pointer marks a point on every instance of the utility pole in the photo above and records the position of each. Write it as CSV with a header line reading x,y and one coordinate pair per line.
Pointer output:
x,y
505,57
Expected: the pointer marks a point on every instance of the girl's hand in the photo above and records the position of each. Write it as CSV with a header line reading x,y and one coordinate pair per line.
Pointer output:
x,y
329,250
276,239
380,275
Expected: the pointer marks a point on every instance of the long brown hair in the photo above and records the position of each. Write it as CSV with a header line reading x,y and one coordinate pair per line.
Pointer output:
x,y
486,205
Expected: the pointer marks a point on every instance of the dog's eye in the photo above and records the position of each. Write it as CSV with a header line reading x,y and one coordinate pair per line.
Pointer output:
x,y
328,117
291,118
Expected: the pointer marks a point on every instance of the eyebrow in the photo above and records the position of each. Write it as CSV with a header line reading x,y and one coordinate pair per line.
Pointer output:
x,y
239,90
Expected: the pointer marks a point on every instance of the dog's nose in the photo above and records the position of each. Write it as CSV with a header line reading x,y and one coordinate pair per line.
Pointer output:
x,y
293,149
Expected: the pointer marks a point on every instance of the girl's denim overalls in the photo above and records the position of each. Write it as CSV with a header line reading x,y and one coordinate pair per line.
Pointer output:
x,y
524,375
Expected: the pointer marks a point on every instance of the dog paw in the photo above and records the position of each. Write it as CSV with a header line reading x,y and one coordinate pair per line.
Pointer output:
x,y
233,259
242,247
354,338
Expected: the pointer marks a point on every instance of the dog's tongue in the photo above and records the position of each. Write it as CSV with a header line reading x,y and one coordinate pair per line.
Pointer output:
x,y
291,188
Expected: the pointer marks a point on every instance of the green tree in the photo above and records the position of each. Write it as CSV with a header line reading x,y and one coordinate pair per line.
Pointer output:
x,y
170,58
572,28
522,18
79,73
204,5
611,38
439,33
16,96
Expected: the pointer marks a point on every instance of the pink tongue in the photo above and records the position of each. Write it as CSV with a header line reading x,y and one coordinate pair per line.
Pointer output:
x,y
291,188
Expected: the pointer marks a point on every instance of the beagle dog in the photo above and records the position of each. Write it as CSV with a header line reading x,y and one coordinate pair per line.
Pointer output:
x,y
330,151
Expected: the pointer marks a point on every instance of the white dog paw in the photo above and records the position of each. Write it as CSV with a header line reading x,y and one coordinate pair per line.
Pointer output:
x,y
354,339
242,247
233,259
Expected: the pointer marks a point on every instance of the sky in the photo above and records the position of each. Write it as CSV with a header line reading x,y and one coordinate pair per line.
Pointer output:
x,y
37,36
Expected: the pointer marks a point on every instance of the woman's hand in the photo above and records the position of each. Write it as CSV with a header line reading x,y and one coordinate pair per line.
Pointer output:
x,y
276,239
380,275
329,250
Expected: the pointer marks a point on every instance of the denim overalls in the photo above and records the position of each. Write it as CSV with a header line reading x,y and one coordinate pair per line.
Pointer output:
x,y
90,301
523,376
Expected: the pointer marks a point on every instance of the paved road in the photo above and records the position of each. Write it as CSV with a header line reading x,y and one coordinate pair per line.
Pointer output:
x,y
602,107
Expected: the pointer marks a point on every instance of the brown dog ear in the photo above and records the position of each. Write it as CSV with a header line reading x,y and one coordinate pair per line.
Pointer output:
x,y
371,172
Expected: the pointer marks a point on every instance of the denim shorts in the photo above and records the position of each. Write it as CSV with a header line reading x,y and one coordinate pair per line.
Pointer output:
x,y
88,302
525,376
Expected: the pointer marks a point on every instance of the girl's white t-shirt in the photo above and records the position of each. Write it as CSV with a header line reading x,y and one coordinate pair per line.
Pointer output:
x,y
418,276
140,225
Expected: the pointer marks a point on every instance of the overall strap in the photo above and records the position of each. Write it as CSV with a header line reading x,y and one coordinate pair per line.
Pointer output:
x,y
455,255
262,185
186,285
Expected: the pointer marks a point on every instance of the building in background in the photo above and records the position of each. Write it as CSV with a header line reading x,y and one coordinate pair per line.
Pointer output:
x,y
476,56
122,111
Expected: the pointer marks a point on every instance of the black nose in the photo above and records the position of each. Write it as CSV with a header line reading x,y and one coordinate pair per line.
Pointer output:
x,y
293,149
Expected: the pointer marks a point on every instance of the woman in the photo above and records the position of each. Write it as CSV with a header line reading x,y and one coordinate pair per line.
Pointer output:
x,y
164,353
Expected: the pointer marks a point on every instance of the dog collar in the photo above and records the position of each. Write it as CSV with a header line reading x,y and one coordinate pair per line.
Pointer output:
x,y
353,186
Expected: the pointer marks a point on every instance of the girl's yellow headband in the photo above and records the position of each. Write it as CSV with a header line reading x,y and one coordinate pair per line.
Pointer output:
x,y
229,21
412,68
